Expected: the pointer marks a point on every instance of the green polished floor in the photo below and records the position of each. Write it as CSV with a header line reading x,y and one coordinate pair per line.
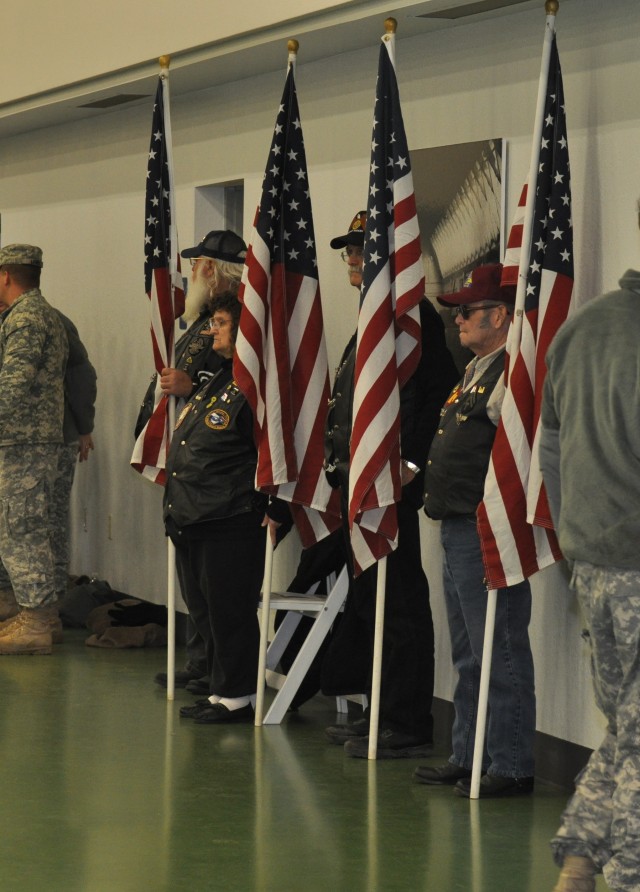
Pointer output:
x,y
106,789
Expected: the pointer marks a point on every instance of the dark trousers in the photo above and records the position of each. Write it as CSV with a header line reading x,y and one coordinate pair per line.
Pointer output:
x,y
196,655
406,691
220,579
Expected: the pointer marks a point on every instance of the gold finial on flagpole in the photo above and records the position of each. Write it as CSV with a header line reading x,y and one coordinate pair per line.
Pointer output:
x,y
390,25
551,7
164,61
293,47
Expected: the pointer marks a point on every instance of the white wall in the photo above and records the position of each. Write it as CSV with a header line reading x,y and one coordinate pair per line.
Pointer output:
x,y
78,192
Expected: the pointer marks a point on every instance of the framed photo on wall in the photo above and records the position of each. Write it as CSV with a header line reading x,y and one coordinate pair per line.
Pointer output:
x,y
460,198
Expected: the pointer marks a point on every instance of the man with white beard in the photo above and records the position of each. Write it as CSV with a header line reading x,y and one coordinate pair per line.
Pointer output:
x,y
216,267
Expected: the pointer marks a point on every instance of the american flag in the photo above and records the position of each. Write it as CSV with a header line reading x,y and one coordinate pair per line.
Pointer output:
x,y
514,520
388,342
280,362
162,281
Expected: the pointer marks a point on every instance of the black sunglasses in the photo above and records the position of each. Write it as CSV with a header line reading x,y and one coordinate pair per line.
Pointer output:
x,y
465,311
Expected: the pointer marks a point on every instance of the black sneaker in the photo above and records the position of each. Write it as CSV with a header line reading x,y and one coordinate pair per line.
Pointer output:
x,y
339,734
391,745
439,775
493,786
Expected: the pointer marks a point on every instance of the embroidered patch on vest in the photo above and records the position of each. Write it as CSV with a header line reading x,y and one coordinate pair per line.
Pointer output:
x,y
217,420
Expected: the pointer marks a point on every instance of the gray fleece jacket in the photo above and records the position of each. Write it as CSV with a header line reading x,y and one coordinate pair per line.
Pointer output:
x,y
590,437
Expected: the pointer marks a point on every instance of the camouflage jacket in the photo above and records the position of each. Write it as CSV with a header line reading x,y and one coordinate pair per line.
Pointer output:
x,y
33,356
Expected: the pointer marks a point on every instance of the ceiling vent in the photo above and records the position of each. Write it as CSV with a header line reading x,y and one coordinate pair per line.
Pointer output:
x,y
112,101
460,12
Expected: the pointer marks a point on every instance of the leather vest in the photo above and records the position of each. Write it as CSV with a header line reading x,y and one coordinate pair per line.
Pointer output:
x,y
212,461
459,455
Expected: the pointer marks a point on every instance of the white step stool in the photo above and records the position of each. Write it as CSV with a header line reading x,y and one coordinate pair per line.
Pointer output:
x,y
325,610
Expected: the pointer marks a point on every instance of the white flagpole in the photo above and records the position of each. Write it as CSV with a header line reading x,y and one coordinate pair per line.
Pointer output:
x,y
483,695
551,8
171,580
171,406
374,707
265,616
171,620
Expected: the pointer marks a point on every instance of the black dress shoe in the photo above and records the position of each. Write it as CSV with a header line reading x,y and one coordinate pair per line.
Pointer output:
x,y
493,786
180,678
198,685
190,712
339,734
218,714
391,745
439,775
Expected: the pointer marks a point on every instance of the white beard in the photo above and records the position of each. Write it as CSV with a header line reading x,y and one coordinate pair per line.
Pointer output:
x,y
196,299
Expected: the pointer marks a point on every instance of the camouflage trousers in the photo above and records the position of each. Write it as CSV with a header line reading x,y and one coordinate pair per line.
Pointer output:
x,y
60,498
27,474
602,820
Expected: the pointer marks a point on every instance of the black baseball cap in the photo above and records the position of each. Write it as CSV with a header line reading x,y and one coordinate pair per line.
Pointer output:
x,y
355,233
219,244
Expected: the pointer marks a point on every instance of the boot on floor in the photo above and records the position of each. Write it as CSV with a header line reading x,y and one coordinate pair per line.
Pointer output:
x,y
29,632
577,875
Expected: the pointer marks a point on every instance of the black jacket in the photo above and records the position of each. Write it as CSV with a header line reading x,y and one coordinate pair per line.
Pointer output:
x,y
420,401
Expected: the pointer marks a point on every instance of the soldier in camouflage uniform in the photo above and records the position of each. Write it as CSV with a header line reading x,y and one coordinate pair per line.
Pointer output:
x,y
590,458
33,355
79,411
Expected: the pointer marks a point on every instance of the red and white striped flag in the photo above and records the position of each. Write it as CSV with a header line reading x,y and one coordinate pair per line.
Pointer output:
x,y
280,362
389,340
163,283
514,521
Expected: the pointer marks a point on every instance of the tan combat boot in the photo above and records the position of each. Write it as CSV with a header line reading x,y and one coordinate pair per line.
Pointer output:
x,y
577,875
55,624
27,633
8,604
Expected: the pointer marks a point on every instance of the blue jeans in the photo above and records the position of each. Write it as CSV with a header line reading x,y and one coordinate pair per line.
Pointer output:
x,y
512,706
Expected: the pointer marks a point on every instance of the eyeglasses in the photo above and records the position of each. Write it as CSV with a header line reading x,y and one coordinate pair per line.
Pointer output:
x,y
465,311
351,252
219,323
194,260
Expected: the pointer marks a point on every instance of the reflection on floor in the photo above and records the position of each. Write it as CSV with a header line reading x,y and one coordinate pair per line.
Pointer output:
x,y
106,789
